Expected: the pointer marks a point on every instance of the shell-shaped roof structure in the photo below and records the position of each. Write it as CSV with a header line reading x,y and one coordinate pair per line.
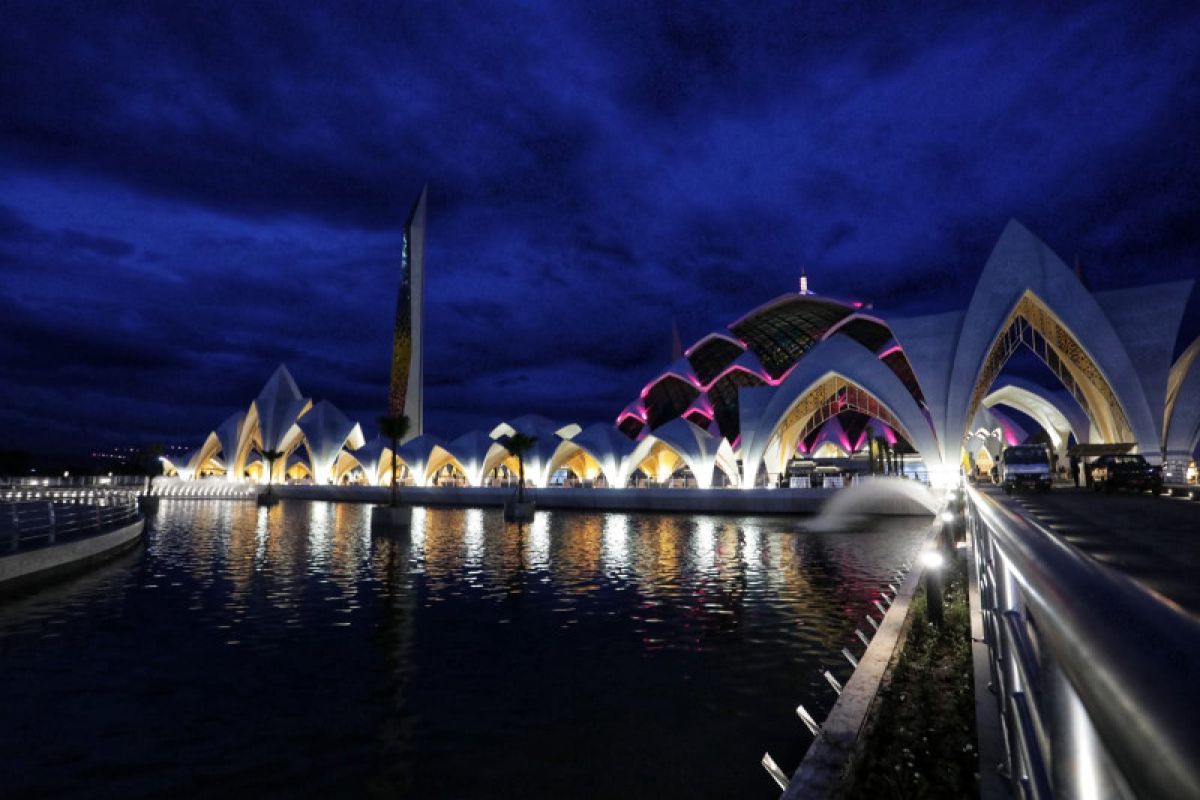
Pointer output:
x,y
801,370
326,430
759,349
277,408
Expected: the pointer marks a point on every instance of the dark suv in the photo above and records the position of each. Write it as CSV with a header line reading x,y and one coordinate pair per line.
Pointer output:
x,y
1125,472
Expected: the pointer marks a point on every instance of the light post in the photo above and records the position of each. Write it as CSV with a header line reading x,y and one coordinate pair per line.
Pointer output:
x,y
934,562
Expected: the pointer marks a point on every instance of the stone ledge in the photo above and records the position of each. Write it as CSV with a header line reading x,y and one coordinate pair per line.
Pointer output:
x,y
820,772
20,570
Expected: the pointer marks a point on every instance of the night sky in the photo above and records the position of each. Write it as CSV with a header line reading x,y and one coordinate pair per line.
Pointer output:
x,y
191,195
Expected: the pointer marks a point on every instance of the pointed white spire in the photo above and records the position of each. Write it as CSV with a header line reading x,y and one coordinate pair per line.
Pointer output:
x,y
804,282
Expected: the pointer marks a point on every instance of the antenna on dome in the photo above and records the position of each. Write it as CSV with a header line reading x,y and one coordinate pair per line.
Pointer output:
x,y
804,282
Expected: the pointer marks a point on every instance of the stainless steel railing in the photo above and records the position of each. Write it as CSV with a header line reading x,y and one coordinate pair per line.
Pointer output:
x,y
36,517
1097,680
203,489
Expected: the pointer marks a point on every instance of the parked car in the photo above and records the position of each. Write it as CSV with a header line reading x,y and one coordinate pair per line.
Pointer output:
x,y
1025,466
1179,476
1111,472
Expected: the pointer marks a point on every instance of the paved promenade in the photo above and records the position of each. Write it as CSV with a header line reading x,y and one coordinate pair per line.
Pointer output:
x,y
1155,540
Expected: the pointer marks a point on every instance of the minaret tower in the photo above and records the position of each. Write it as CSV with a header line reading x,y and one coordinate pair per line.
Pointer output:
x,y
406,393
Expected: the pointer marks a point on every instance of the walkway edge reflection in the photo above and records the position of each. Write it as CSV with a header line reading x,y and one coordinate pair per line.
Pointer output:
x,y
820,772
690,501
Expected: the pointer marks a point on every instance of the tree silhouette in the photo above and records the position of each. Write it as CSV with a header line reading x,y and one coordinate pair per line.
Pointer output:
x,y
271,456
395,429
518,445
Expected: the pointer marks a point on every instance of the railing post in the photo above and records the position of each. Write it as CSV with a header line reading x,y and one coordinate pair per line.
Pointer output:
x,y
16,523
51,523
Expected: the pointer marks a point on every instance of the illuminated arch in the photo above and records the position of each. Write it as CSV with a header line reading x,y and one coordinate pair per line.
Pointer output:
x,y
579,460
837,375
1181,434
1112,350
1033,325
828,449
371,457
1027,295
473,451
1044,409
206,455
695,447
419,454
326,430
439,459
655,458
608,447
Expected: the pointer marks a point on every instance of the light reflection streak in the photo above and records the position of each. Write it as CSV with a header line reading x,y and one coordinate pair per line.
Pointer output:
x,y
616,542
1087,757
418,526
319,536
473,537
705,543
752,548
260,540
539,541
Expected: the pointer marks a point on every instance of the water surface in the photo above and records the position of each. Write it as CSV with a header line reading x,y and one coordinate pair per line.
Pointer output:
x,y
288,653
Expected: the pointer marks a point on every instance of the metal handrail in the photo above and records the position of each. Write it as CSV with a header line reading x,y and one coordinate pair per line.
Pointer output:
x,y
204,489
1064,633
46,518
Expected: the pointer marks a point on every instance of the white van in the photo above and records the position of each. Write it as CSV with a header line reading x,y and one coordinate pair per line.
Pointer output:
x,y
1025,465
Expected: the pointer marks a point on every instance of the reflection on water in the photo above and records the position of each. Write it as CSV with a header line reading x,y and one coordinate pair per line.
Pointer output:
x,y
285,652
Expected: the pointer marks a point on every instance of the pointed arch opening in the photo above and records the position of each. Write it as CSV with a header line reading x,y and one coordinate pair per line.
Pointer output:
x,y
1031,324
824,400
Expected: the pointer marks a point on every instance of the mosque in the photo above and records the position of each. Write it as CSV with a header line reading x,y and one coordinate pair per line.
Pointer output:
x,y
800,379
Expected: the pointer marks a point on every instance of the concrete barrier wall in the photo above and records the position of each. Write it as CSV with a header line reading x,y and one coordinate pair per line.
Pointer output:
x,y
820,774
701,501
31,566
716,501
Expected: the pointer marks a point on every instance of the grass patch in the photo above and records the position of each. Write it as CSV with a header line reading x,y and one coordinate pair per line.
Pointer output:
x,y
920,740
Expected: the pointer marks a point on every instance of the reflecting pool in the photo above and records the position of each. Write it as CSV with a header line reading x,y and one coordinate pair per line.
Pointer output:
x,y
287,652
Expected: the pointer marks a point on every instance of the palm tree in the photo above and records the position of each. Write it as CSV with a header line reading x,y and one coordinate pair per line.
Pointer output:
x,y
395,429
271,457
518,445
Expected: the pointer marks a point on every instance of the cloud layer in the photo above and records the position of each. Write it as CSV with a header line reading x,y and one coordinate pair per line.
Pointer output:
x,y
192,194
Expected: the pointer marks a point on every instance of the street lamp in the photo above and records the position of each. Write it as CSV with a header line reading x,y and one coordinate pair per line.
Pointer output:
x,y
934,563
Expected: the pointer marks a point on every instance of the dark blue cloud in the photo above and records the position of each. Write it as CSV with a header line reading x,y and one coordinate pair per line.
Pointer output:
x,y
191,193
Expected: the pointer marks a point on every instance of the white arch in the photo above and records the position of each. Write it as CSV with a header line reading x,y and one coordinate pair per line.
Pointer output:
x,y
1182,433
1041,410
230,433
608,446
419,455
326,430
699,449
372,457
948,351
472,451
763,409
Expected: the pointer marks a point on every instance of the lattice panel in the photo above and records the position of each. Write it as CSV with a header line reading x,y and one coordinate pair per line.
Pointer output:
x,y
830,398
1033,325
